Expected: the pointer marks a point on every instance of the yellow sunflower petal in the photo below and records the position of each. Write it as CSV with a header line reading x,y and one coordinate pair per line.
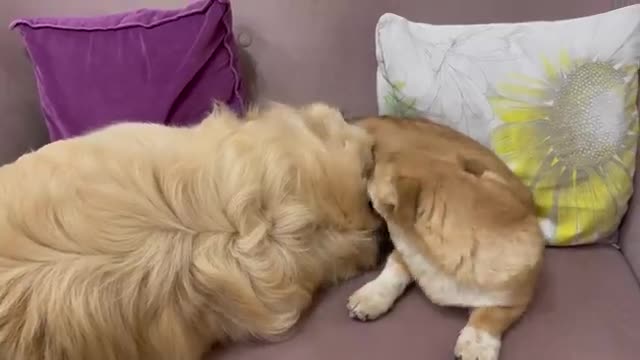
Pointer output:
x,y
619,181
631,95
565,62
627,153
526,92
546,186
584,208
551,72
510,111
544,200
521,146
628,159
529,80
631,136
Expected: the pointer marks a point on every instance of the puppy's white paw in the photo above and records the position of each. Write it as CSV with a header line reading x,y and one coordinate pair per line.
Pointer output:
x,y
475,344
370,301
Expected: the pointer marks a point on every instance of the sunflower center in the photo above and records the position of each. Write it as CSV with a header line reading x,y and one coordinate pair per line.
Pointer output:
x,y
587,115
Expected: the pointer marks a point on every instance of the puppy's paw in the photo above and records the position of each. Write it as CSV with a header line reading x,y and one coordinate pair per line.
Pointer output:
x,y
475,344
370,301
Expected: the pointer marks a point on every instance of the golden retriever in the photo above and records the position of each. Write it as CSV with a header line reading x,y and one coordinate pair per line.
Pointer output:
x,y
142,241
463,227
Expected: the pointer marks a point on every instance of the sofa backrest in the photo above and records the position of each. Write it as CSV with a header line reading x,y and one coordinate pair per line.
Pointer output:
x,y
324,50
295,51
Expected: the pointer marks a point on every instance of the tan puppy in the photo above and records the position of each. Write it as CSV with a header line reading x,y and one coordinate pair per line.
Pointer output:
x,y
141,241
463,227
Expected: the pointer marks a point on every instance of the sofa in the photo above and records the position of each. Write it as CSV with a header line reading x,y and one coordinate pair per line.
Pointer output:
x,y
296,51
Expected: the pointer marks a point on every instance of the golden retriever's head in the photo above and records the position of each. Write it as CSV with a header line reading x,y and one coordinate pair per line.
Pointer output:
x,y
330,126
350,150
311,168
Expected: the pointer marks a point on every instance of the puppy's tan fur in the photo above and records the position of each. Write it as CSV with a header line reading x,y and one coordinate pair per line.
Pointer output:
x,y
462,224
141,241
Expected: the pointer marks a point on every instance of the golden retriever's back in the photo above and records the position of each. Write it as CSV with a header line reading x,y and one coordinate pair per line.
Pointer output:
x,y
60,235
136,241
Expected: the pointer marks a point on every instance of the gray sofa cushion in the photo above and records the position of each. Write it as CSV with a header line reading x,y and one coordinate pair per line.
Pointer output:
x,y
586,308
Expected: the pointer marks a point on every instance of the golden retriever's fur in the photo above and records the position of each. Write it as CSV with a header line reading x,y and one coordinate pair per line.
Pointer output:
x,y
463,227
142,241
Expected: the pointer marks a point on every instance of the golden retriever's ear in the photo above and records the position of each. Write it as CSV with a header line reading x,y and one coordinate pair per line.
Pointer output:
x,y
369,162
323,112
220,115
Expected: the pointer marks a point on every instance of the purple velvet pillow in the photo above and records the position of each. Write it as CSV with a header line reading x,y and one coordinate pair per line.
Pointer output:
x,y
160,66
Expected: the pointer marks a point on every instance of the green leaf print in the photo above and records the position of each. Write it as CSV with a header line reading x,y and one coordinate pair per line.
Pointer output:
x,y
398,104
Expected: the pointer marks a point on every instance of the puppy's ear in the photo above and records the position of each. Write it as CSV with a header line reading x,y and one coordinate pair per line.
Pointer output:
x,y
408,190
382,189
393,195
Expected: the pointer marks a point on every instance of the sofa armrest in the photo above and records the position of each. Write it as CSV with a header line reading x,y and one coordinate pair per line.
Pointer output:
x,y
630,231
630,228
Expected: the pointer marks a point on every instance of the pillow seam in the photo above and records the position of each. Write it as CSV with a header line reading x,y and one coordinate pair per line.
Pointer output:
x,y
179,15
229,45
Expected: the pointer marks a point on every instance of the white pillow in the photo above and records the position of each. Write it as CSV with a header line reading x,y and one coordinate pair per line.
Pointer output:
x,y
555,100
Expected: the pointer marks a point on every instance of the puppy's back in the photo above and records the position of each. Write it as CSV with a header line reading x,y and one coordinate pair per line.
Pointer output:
x,y
422,140
475,217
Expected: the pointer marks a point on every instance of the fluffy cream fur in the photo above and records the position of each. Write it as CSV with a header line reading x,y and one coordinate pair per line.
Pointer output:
x,y
141,241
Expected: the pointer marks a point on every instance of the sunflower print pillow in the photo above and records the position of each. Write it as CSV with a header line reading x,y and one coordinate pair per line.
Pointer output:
x,y
555,100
